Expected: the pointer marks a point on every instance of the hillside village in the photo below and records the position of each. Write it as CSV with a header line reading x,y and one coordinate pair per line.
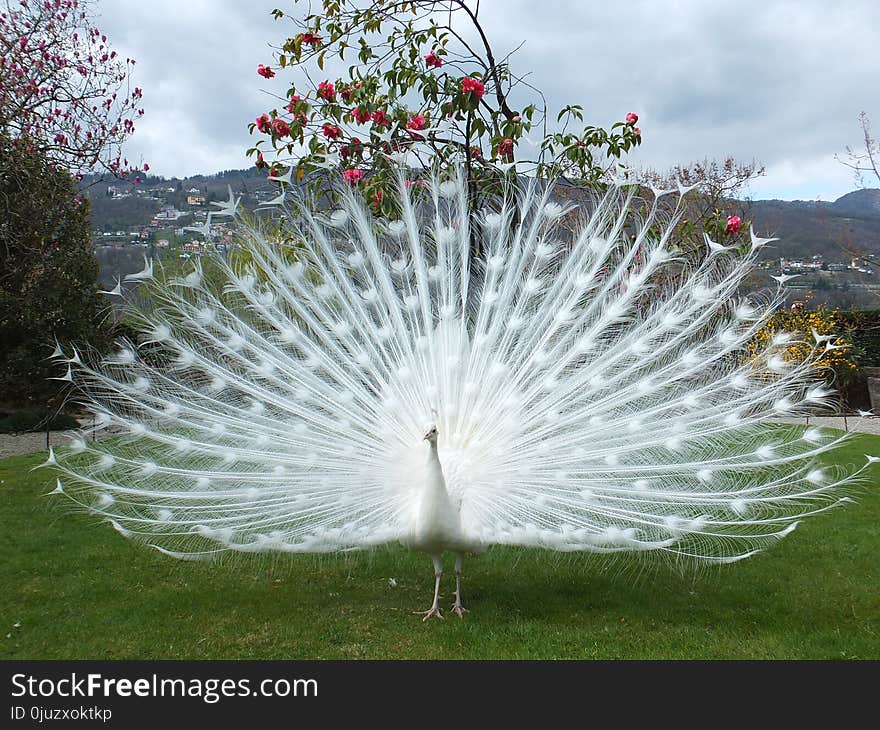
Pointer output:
x,y
831,255
160,219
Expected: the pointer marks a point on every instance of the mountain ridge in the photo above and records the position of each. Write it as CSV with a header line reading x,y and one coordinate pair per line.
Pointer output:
x,y
837,232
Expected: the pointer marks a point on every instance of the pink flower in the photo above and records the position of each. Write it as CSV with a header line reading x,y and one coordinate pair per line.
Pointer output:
x,y
637,132
263,123
733,224
282,128
355,147
353,176
347,91
362,115
310,39
380,119
265,71
473,86
326,91
433,60
146,167
505,147
331,131
296,107
632,118
416,122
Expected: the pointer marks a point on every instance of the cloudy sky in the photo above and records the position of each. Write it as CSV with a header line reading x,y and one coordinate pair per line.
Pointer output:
x,y
779,82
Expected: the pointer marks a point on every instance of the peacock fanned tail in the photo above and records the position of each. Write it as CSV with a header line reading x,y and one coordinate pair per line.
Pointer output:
x,y
589,381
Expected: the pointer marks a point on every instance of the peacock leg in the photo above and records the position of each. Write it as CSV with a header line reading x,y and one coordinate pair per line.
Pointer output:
x,y
457,607
434,611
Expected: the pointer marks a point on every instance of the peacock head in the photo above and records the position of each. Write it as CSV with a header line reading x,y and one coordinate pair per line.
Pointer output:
x,y
431,436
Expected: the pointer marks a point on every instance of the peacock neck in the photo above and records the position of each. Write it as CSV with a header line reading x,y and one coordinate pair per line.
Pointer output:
x,y
436,482
433,455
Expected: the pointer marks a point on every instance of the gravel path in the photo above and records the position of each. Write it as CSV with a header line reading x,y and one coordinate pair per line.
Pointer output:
x,y
28,443
850,423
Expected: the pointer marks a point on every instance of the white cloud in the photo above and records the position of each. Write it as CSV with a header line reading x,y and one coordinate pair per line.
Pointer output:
x,y
780,82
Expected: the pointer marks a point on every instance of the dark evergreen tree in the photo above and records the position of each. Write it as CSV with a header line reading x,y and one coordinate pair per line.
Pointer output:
x,y
48,274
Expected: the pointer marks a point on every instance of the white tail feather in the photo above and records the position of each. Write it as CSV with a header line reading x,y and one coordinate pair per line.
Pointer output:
x,y
582,401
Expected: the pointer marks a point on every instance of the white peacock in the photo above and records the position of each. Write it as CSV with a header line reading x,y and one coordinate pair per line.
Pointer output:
x,y
376,383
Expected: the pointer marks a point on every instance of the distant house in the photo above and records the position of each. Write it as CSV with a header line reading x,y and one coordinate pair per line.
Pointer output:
x,y
197,247
168,214
195,199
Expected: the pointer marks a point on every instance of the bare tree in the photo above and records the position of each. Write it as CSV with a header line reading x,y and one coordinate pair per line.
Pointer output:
x,y
863,161
717,197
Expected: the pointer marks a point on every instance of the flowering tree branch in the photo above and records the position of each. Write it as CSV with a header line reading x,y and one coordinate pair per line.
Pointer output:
x,y
64,92
422,91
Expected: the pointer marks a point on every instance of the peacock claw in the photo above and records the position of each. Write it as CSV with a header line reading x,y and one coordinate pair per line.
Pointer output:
x,y
459,609
433,612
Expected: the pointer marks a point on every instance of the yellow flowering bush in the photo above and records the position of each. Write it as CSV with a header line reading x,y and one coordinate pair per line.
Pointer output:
x,y
804,325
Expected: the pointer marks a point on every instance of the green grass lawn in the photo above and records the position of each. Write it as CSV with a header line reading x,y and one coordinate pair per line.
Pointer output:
x,y
72,588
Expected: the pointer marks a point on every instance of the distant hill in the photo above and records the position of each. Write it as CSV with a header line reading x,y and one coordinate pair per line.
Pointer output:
x,y
849,224
837,232
859,204
840,232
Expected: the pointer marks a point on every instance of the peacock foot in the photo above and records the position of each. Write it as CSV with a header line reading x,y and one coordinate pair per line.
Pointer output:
x,y
433,612
459,609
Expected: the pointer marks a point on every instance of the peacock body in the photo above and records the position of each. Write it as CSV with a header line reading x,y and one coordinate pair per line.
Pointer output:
x,y
578,386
